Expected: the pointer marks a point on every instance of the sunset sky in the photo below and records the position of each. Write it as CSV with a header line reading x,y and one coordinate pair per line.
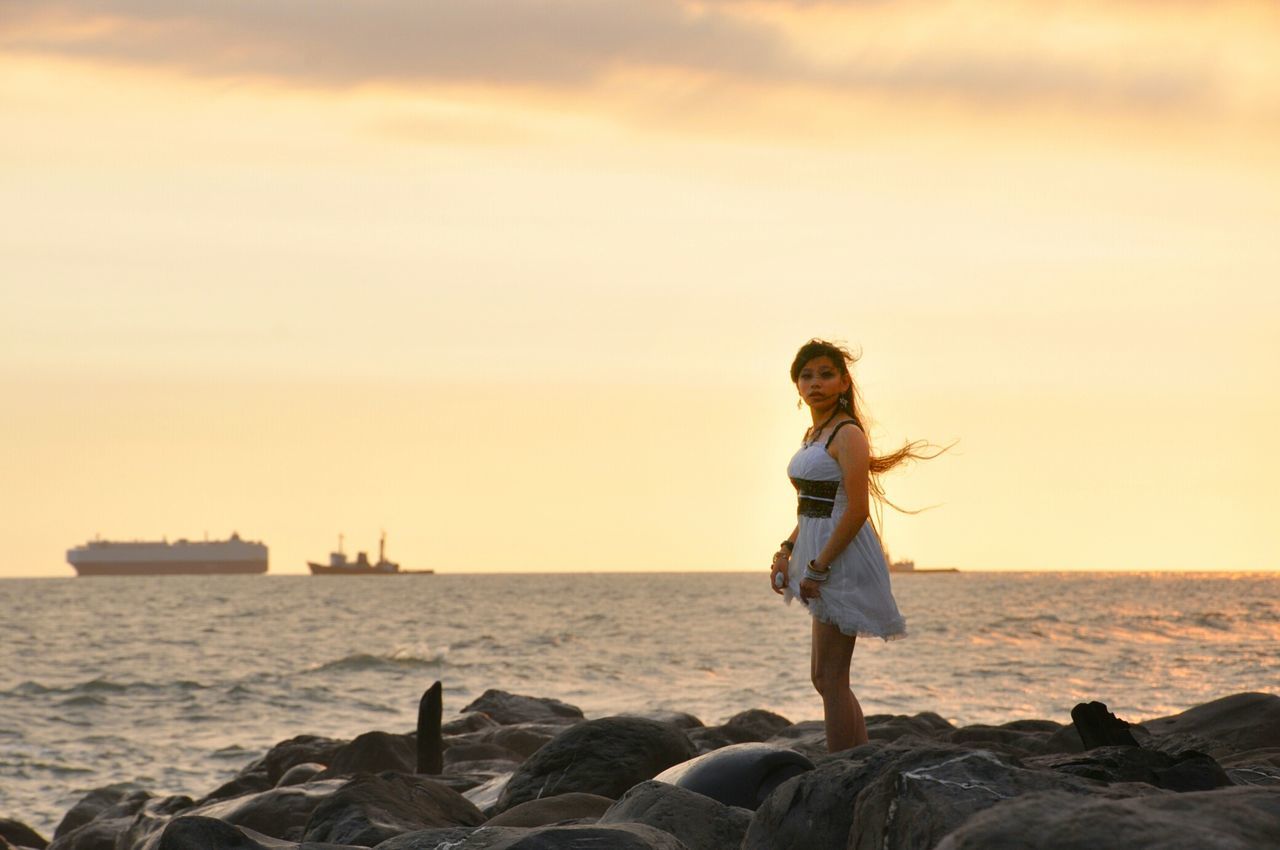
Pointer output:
x,y
520,282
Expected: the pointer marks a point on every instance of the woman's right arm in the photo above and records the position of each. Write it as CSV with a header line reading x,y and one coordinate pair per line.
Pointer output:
x,y
780,560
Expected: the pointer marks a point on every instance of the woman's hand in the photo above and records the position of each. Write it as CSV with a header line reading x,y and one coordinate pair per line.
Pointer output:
x,y
810,589
780,561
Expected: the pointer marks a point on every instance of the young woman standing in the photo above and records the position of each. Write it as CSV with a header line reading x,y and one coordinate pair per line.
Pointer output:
x,y
833,561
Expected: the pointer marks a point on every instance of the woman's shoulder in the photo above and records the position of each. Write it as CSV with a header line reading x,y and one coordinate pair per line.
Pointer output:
x,y
847,432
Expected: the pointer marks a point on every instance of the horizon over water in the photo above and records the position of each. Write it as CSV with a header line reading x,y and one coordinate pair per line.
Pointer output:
x,y
177,682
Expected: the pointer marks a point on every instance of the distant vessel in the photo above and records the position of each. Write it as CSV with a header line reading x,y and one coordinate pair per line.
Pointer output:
x,y
162,558
339,565
909,566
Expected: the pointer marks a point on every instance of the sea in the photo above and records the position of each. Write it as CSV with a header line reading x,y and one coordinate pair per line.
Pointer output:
x,y
174,683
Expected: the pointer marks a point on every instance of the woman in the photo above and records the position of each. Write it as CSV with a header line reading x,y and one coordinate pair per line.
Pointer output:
x,y
833,560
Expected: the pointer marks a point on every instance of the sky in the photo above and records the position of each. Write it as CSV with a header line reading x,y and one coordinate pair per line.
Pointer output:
x,y
520,282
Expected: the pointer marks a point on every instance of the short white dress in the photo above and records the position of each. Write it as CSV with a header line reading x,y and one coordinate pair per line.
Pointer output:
x,y
857,597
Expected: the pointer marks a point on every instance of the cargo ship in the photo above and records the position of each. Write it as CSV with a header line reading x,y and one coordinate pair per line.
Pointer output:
x,y
162,558
339,565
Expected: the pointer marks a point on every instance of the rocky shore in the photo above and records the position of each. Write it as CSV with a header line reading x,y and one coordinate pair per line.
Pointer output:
x,y
514,772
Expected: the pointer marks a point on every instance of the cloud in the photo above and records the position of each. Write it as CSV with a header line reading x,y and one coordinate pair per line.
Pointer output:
x,y
557,44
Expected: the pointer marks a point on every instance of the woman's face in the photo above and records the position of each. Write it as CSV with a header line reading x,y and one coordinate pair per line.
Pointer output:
x,y
820,382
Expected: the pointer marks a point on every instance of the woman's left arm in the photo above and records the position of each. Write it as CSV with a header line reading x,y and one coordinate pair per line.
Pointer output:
x,y
853,453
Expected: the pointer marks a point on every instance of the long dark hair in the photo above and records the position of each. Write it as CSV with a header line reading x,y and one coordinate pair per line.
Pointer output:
x,y
851,402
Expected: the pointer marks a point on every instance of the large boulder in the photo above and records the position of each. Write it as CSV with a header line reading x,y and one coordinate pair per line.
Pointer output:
x,y
1021,737
297,750
1235,818
605,757
374,752
925,794
133,815
21,835
1229,725
507,708
442,838
1184,772
739,774
549,810
200,833
279,812
372,808
926,725
699,822
620,836
119,800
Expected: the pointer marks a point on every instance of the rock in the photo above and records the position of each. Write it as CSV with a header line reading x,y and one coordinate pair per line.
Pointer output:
x,y
926,725
1259,775
300,773
621,836
549,810
485,796
445,838
280,813
523,738
1065,740
1186,772
924,794
475,773
1100,728
709,739
700,823
754,725
1250,758
428,739
201,833
738,775
18,833
239,785
605,757
473,722
1022,737
99,800
679,719
301,749
1232,724
479,751
507,708
150,820
97,821
372,808
809,738
374,752
1237,818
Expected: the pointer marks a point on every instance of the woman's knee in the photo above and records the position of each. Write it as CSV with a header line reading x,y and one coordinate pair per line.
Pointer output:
x,y
829,681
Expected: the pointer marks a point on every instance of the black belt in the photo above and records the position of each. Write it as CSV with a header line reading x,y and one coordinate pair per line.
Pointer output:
x,y
817,498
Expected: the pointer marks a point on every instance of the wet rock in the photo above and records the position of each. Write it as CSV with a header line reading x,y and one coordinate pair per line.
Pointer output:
x,y
96,802
709,738
678,719
1186,772
507,708
1098,727
809,738
374,752
297,750
485,796
1232,724
700,822
1238,818
239,785
605,757
147,823
372,808
280,813
444,838
622,836
300,773
549,810
925,794
1065,740
479,751
18,833
738,775
474,722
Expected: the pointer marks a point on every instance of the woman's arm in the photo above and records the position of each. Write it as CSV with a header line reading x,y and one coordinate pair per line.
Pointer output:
x,y
780,560
852,452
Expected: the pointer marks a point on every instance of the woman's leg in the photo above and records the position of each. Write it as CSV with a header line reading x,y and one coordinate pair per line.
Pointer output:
x,y
832,653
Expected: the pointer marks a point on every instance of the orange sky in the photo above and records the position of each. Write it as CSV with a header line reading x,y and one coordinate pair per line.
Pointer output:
x,y
520,282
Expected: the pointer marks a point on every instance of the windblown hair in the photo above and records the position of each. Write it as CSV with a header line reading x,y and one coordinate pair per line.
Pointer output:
x,y
851,402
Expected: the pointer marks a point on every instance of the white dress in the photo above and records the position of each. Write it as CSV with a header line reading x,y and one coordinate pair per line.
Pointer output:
x,y
856,598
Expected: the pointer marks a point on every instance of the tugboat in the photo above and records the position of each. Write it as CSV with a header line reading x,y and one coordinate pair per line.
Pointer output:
x,y
339,565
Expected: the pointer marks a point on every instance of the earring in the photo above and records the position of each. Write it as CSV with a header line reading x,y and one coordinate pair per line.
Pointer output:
x,y
799,404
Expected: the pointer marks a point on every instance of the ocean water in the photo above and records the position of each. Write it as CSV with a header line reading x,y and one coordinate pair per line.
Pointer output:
x,y
176,682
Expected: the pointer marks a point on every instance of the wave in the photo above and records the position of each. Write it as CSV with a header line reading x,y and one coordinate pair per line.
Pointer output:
x,y
396,659
95,687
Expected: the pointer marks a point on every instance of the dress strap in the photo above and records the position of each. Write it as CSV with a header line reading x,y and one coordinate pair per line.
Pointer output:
x,y
836,430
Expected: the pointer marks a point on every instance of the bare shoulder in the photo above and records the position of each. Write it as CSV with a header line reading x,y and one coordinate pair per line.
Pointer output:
x,y
850,442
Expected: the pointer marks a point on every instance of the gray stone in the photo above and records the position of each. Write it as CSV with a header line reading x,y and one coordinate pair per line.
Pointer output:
x,y
738,775
301,773
605,757
549,810
297,750
507,708
279,813
467,723
18,833
1226,819
443,838
124,797
700,823
679,719
1232,724
621,836
1185,772
372,808
374,752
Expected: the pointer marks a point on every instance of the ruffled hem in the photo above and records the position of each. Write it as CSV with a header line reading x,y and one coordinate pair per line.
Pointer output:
x,y
860,628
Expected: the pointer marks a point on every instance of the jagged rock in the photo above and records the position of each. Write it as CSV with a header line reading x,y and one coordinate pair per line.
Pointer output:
x,y
605,757
738,775
300,749
507,708
1098,727
18,833
1187,772
700,823
706,739
1065,740
374,752
372,808
1229,725
300,773
1237,818
924,794
148,822
549,810
125,797
279,812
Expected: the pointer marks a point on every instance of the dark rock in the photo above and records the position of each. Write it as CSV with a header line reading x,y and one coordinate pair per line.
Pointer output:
x,y
891,727
300,773
1232,724
1254,775
298,750
477,772
1100,728
1065,740
430,747
738,775
1187,772
279,812
924,794
374,752
679,719
809,738
605,757
699,822
479,751
473,722
445,838
372,808
17,832
485,795
1019,741
148,822
549,810
620,836
507,708
523,738
239,785
1250,758
201,833
755,725
1237,818
709,739
99,800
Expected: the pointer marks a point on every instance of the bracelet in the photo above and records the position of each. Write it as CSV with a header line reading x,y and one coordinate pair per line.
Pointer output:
x,y
788,545
812,573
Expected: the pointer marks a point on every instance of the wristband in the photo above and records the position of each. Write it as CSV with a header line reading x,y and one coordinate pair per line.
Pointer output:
x,y
788,545
812,573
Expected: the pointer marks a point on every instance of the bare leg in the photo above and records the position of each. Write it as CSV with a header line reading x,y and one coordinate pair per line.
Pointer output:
x,y
831,655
